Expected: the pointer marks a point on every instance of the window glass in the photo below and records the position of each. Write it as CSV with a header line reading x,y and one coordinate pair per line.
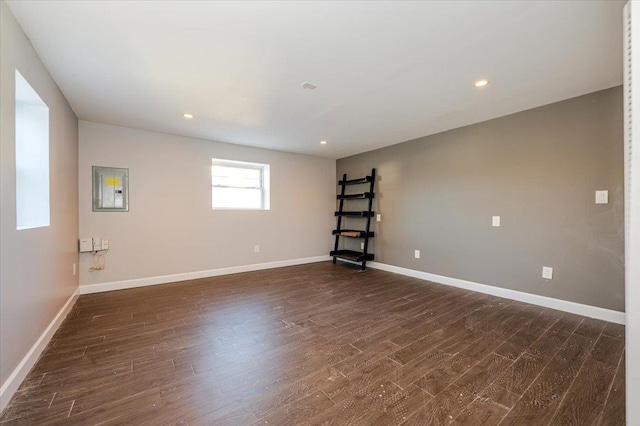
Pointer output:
x,y
32,157
239,185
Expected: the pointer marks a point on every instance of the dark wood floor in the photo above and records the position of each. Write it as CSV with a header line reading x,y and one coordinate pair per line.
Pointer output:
x,y
322,344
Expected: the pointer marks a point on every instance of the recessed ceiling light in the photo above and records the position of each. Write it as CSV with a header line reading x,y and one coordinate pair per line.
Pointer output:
x,y
187,115
323,142
481,83
308,86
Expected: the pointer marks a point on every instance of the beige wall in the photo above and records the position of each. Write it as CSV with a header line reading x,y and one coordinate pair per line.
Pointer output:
x,y
538,170
170,227
36,277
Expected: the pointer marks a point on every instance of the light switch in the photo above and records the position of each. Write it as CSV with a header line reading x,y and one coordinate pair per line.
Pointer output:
x,y
602,197
547,272
378,217
495,221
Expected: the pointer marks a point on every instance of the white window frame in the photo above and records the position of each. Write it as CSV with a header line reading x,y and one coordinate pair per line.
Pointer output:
x,y
264,169
32,168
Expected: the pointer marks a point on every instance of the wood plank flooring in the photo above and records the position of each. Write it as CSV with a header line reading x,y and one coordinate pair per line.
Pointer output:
x,y
322,344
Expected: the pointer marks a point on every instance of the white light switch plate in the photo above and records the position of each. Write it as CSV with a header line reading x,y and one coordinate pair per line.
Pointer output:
x,y
602,197
495,221
417,254
378,217
547,272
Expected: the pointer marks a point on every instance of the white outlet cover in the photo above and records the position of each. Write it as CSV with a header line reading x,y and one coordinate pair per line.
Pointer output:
x,y
416,253
495,221
547,272
602,197
362,246
256,249
378,217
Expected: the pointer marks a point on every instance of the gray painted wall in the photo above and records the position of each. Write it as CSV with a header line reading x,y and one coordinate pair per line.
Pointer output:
x,y
36,275
538,170
170,227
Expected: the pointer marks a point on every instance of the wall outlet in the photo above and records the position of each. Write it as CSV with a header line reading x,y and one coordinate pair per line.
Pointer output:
x,y
547,272
74,269
378,217
256,249
416,253
362,246
105,245
602,197
495,221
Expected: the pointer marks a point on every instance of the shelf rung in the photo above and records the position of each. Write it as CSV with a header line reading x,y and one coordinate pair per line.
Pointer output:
x,y
360,196
357,256
350,232
364,213
365,179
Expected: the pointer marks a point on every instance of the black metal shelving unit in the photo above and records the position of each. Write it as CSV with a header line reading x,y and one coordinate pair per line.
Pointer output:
x,y
353,255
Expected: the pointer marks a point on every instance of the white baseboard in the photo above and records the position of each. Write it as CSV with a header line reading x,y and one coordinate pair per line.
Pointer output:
x,y
164,279
561,305
548,302
13,382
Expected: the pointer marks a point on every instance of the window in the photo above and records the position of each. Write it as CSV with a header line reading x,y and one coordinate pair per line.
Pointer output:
x,y
32,157
239,185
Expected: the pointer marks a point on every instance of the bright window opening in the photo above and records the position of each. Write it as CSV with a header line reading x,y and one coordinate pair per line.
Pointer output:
x,y
238,185
32,157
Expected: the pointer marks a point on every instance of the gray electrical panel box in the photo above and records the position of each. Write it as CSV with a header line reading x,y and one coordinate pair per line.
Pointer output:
x,y
110,189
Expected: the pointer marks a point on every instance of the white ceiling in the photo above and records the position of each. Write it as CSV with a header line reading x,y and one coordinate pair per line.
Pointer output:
x,y
386,72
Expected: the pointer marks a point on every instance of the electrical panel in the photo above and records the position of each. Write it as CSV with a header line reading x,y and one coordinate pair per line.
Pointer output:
x,y
110,189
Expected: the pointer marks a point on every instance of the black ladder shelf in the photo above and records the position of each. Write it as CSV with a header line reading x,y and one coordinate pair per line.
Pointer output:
x,y
353,255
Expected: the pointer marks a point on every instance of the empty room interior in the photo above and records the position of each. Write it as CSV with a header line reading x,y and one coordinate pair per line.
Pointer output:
x,y
319,213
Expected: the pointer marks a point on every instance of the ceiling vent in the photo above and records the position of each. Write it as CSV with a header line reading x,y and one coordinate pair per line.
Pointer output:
x,y
308,86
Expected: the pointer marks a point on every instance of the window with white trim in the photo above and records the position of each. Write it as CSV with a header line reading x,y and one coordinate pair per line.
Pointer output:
x,y
32,157
239,185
